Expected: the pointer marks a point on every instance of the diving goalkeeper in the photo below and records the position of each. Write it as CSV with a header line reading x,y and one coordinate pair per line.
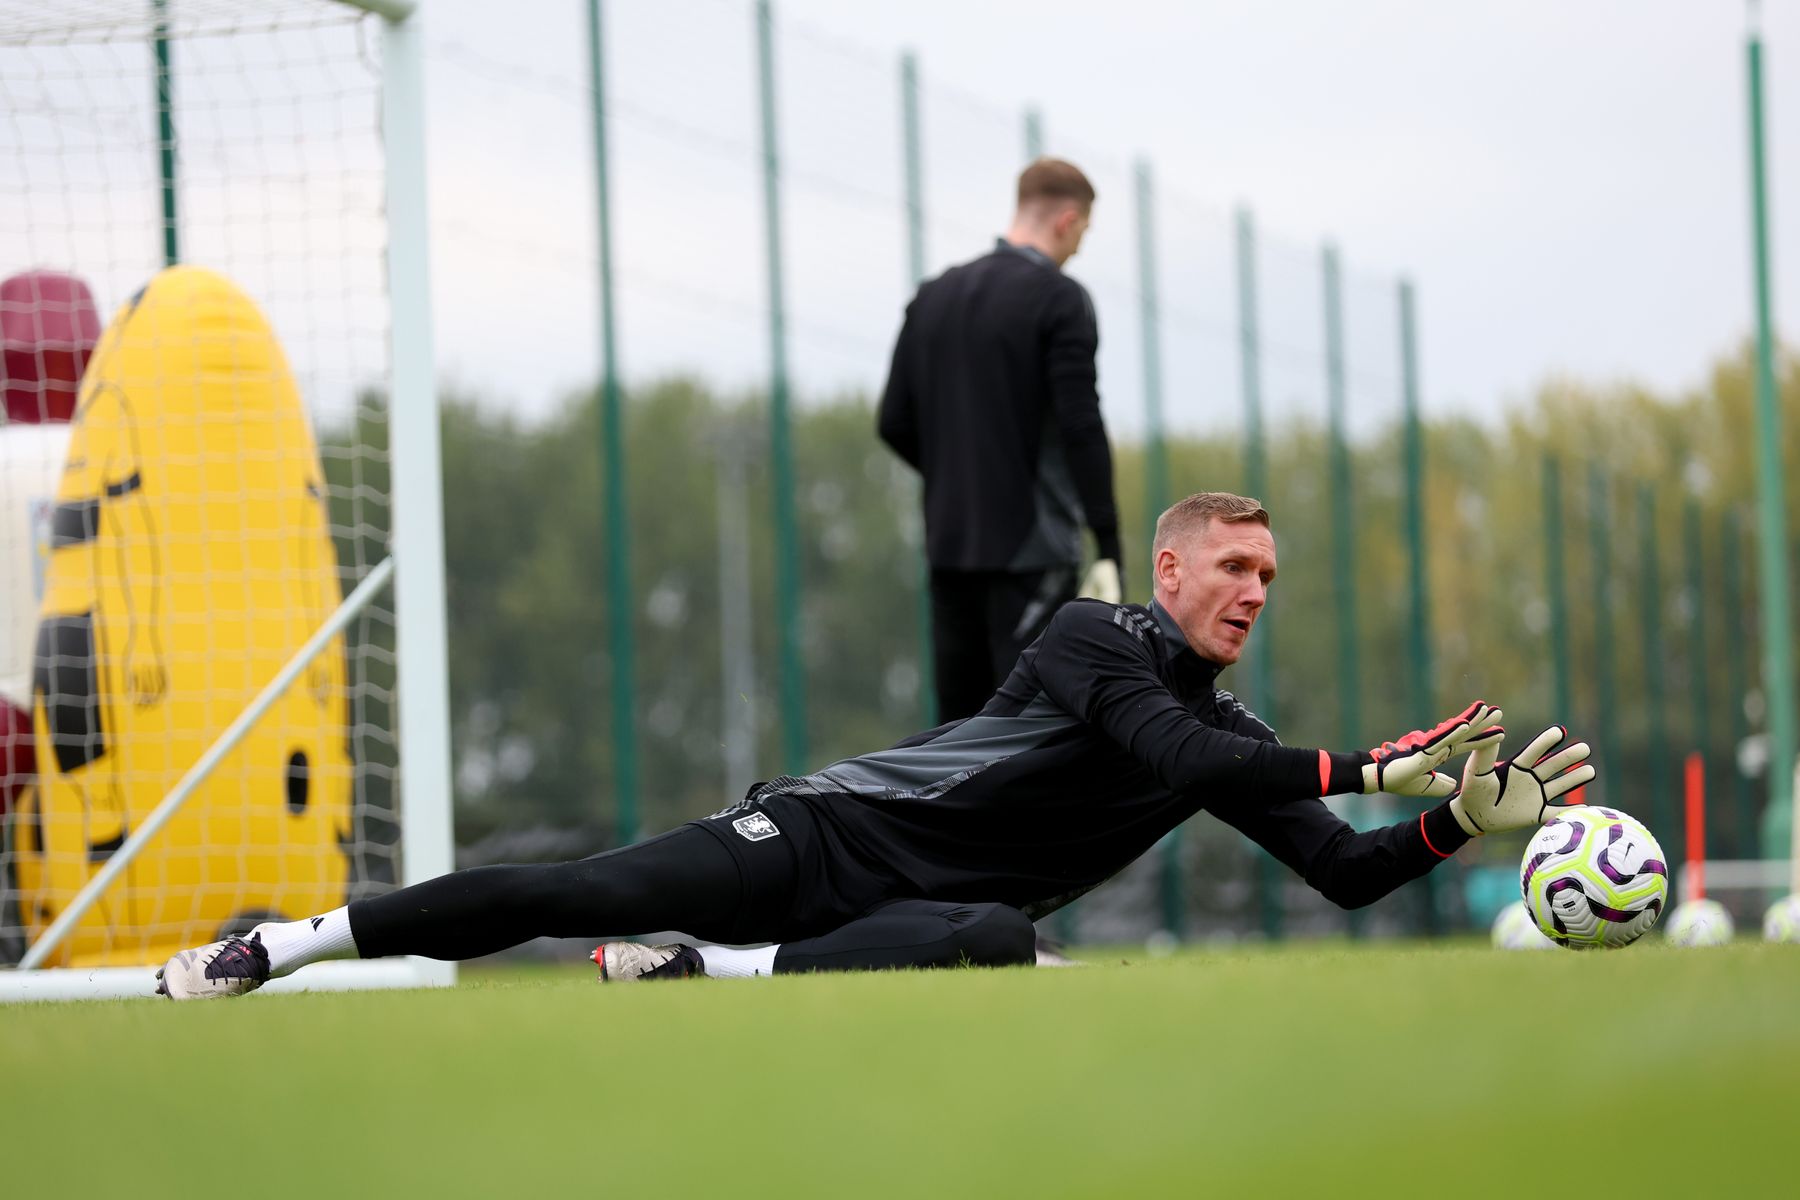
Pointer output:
x,y
1109,733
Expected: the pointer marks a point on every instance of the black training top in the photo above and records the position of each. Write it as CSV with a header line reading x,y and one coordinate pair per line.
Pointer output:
x,y
991,397
1108,734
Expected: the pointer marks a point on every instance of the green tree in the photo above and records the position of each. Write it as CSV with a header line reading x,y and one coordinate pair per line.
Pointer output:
x,y
526,575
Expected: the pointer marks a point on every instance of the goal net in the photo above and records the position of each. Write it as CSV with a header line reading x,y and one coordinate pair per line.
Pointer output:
x,y
204,395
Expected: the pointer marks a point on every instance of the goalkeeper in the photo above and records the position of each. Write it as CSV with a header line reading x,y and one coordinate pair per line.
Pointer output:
x,y
1110,732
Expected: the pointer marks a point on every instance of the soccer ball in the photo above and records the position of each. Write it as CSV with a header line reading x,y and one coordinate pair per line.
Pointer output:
x,y
1782,922
1593,877
1699,923
1515,930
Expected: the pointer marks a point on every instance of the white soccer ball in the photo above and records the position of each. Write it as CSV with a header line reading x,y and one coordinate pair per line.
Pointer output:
x,y
1782,922
1515,930
1594,877
1699,923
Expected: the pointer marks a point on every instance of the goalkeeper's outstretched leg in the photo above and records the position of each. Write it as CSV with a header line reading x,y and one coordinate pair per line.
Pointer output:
x,y
685,880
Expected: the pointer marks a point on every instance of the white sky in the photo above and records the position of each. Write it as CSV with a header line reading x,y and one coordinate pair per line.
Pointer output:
x,y
1565,183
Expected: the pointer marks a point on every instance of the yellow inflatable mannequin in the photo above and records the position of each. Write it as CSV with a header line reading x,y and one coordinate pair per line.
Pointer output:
x,y
189,557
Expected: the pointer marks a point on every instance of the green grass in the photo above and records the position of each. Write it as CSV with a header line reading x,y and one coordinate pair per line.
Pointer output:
x,y
1320,1071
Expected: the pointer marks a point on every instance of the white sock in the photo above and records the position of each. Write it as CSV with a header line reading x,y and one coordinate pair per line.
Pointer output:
x,y
722,962
293,944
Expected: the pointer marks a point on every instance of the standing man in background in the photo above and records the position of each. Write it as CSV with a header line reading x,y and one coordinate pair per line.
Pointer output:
x,y
991,398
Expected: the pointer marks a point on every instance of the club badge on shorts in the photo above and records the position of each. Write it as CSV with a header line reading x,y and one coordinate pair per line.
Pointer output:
x,y
756,827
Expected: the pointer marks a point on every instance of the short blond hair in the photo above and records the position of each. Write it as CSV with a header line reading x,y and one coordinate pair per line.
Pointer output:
x,y
1055,179
1192,515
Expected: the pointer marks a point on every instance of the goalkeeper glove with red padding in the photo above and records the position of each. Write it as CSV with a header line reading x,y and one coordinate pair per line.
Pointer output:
x,y
1409,767
1514,795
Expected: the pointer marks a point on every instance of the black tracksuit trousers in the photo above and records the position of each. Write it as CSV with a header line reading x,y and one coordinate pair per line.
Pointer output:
x,y
683,880
980,622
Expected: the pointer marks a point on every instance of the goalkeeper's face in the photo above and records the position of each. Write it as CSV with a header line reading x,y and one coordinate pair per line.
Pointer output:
x,y
1214,582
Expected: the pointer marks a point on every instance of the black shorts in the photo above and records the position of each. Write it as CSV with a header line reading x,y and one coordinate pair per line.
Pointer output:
x,y
800,879
65,672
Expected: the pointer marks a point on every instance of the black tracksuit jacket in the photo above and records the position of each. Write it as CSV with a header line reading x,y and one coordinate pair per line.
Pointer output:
x,y
991,397
1109,733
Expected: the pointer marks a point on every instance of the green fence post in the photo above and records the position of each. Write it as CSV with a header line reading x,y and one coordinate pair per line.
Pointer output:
x,y
1697,657
1600,534
781,453
1262,654
915,272
1662,808
1256,482
1034,135
1418,645
1343,536
1562,692
165,132
1156,461
1156,471
1342,502
619,606
1737,675
1771,526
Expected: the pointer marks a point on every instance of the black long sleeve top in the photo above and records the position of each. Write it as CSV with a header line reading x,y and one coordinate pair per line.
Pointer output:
x,y
1109,732
992,397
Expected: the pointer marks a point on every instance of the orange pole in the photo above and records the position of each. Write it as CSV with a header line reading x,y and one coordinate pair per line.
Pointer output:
x,y
1696,827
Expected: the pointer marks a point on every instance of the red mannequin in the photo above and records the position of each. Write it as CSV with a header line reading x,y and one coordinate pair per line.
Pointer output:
x,y
48,327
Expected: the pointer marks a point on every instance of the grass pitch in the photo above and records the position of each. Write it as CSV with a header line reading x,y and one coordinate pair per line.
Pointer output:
x,y
1369,1070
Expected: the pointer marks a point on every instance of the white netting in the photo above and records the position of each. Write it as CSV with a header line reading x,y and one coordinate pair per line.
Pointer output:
x,y
91,22
226,480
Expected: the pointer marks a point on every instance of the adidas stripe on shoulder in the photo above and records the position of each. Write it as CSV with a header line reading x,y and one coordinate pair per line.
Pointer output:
x,y
1136,622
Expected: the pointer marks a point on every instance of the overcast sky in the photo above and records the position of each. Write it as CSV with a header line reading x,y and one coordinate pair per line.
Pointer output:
x,y
1565,183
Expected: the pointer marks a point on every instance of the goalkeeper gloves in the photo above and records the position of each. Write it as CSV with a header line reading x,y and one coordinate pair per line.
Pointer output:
x,y
1517,794
1408,767
1102,582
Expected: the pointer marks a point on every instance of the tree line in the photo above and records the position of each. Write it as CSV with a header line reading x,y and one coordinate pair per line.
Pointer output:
x,y
526,570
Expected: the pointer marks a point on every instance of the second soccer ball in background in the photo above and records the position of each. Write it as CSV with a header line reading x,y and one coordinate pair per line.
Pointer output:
x,y
1782,922
1514,929
1699,923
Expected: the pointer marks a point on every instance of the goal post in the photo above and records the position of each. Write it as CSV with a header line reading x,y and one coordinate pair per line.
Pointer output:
x,y
420,625
219,734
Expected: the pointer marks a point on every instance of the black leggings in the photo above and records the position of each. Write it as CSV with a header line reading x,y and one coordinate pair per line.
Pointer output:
x,y
682,880
918,933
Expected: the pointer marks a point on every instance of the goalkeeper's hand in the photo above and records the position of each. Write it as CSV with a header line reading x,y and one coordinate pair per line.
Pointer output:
x,y
1409,767
1517,794
1102,582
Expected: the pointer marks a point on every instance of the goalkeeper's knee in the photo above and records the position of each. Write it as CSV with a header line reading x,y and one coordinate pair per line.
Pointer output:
x,y
997,935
